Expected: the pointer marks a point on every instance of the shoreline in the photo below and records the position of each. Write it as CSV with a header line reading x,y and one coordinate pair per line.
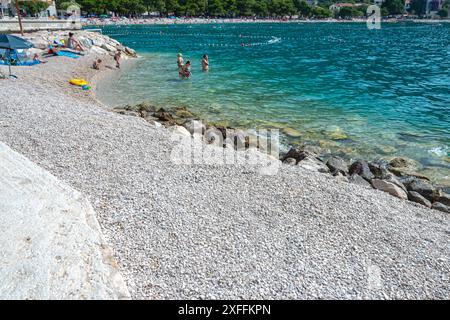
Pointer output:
x,y
196,21
215,231
321,152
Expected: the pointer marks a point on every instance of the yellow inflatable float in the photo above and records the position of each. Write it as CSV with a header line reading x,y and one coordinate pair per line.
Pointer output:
x,y
79,82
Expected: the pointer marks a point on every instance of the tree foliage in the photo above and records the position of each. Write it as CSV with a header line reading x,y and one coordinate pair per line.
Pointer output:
x,y
33,7
203,8
394,7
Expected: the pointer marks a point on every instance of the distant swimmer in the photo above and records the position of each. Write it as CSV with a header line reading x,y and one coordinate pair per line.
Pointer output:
x,y
205,63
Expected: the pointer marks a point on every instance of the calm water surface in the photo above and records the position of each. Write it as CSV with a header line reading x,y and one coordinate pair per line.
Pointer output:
x,y
359,92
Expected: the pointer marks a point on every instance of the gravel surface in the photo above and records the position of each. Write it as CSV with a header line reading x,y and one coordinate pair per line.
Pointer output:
x,y
189,232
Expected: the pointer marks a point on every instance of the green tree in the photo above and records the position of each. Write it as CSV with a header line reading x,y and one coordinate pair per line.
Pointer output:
x,y
245,7
418,7
261,9
443,13
303,8
230,7
394,6
33,7
321,13
349,12
215,8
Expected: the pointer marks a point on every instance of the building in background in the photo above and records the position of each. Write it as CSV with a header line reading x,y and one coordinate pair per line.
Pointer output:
x,y
7,8
4,8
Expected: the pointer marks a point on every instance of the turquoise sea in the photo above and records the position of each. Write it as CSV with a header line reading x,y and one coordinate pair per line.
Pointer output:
x,y
360,93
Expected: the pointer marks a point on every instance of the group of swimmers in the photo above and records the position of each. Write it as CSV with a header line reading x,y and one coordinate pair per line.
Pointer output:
x,y
184,69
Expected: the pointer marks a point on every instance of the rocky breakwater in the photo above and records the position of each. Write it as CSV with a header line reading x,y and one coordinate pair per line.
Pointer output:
x,y
92,42
398,177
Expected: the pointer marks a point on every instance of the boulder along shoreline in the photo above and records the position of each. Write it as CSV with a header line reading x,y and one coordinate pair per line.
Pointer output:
x,y
396,177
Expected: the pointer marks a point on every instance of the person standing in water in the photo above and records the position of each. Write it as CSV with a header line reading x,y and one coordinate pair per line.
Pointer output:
x,y
185,71
205,63
180,62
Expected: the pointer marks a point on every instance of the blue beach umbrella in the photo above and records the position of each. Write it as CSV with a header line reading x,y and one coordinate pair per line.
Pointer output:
x,y
10,42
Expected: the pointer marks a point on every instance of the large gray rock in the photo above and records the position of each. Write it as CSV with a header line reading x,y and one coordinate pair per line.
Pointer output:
x,y
51,246
313,164
416,197
195,126
390,188
290,161
441,207
357,179
424,188
337,165
361,168
297,153
379,169
443,198
393,179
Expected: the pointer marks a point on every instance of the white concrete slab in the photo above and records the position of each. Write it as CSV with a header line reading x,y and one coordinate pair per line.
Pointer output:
x,y
51,245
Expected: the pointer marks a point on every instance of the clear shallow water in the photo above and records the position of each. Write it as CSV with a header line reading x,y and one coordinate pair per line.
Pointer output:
x,y
364,93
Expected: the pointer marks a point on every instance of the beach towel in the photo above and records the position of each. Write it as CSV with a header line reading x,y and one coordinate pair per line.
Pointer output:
x,y
68,54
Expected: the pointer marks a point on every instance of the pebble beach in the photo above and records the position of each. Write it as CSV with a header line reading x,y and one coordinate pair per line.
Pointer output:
x,y
216,231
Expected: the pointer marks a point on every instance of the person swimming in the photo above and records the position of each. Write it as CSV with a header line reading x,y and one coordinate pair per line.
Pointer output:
x,y
205,63
185,71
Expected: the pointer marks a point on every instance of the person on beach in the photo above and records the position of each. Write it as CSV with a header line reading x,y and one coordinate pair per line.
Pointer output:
x,y
205,63
37,58
97,64
73,43
117,57
185,72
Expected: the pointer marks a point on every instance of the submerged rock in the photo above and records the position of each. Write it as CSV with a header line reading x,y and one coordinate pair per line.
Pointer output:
x,y
400,162
162,115
183,112
337,134
416,197
390,188
292,132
